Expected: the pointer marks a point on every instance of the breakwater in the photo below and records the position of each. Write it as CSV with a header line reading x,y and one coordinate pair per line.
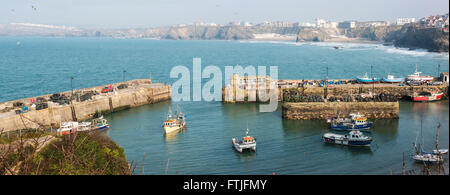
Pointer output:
x,y
125,95
322,110
400,92
334,92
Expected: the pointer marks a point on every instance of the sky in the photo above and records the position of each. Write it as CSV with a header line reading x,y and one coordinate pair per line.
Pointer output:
x,y
154,13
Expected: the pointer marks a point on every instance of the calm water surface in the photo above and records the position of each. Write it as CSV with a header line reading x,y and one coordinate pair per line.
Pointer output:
x,y
40,66
284,146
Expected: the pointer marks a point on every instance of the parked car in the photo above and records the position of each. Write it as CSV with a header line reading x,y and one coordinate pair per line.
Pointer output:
x,y
107,89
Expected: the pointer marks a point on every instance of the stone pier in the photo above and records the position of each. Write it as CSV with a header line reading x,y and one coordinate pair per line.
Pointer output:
x,y
139,92
322,110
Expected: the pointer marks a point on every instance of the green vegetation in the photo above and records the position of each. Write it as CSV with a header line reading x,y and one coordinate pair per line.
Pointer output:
x,y
86,153
41,153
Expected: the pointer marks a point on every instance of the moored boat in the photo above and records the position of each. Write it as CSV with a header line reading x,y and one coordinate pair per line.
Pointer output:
x,y
392,79
426,96
247,143
99,124
354,138
70,127
366,79
425,157
174,123
354,122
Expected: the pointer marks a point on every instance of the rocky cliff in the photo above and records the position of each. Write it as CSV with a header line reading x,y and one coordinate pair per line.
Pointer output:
x,y
408,36
225,32
415,37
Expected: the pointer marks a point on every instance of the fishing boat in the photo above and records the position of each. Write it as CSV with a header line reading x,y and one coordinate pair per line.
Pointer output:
x,y
426,96
67,128
392,79
354,138
175,122
70,127
417,77
366,79
247,143
354,122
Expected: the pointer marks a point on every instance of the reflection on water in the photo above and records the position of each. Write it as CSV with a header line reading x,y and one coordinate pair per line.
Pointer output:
x,y
245,156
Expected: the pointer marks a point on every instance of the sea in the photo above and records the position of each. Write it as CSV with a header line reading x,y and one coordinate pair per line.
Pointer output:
x,y
33,66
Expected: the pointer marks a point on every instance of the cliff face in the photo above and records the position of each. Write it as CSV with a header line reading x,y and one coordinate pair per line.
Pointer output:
x,y
408,36
372,33
413,37
314,34
225,32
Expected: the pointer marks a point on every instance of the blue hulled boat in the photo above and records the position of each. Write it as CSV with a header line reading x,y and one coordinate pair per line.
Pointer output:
x,y
355,122
354,138
392,79
100,124
366,79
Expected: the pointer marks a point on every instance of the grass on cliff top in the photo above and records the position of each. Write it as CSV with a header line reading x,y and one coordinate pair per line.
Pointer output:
x,y
84,153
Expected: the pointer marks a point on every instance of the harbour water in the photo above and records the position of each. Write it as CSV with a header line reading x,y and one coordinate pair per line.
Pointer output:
x,y
39,66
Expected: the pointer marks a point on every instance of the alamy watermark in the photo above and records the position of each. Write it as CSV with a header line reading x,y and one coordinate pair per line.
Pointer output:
x,y
245,84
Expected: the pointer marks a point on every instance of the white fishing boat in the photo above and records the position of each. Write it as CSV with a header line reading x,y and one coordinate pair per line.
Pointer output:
x,y
247,143
67,128
174,123
417,77
71,127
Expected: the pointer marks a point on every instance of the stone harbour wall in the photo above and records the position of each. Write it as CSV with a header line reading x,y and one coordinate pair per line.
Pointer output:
x,y
144,93
322,110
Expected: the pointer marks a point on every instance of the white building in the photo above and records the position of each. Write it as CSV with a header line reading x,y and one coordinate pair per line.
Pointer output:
x,y
306,24
320,22
402,21
331,25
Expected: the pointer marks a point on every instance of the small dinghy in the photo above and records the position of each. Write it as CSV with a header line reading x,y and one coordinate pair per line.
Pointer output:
x,y
354,138
247,143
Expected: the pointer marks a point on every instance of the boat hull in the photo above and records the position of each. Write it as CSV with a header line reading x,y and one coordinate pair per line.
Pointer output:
x,y
368,81
427,98
172,129
365,143
427,158
351,127
399,80
242,148
101,128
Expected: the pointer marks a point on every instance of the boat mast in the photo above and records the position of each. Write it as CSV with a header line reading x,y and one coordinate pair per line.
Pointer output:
x,y
246,132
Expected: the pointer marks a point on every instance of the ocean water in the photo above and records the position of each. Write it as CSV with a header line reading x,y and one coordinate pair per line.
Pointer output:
x,y
31,66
